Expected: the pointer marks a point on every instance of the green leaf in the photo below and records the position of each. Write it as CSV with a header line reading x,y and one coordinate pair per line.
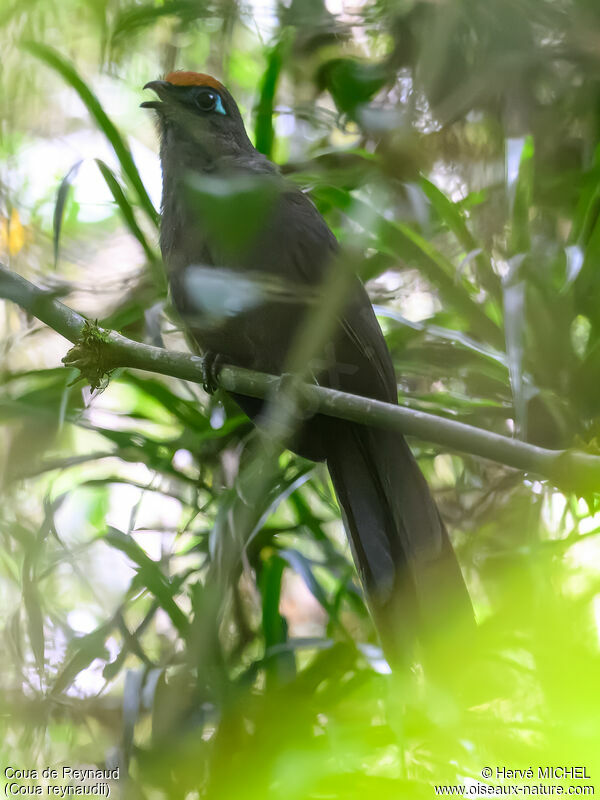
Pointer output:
x,y
588,205
451,215
274,625
186,411
134,18
33,609
67,71
402,241
219,199
520,164
514,324
132,692
447,335
303,567
59,206
86,649
128,213
263,115
149,575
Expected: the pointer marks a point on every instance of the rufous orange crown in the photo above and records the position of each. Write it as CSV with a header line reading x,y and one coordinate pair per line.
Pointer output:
x,y
183,77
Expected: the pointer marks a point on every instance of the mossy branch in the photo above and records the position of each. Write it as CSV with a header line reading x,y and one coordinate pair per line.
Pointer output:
x,y
91,356
97,352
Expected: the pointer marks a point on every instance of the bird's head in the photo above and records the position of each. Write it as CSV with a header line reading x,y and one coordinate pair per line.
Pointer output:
x,y
197,115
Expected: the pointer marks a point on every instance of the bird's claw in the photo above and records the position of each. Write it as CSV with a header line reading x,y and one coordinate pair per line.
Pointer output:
x,y
211,363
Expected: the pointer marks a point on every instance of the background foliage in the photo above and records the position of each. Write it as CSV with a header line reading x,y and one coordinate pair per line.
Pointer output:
x,y
455,146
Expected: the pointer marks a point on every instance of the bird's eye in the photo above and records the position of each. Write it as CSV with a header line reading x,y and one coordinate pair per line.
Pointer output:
x,y
207,100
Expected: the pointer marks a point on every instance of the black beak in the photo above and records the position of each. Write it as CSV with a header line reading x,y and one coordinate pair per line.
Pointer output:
x,y
161,88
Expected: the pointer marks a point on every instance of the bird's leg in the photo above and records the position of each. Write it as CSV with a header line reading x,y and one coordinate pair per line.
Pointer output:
x,y
211,364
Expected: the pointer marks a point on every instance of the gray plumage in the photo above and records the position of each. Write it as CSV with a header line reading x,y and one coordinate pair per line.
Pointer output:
x,y
400,545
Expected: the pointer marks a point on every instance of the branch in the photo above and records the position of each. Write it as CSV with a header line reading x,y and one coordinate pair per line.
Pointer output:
x,y
97,352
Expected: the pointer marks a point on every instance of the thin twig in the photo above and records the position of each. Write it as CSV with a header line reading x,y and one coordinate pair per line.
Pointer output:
x,y
568,469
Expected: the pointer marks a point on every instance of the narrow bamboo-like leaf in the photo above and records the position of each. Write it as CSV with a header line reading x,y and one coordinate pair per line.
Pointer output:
x,y
402,241
67,71
134,18
282,491
514,324
274,625
264,130
186,411
59,206
151,680
150,575
519,179
86,649
451,214
302,566
270,586
127,211
39,467
587,210
131,642
10,10
131,706
587,282
456,337
575,258
33,609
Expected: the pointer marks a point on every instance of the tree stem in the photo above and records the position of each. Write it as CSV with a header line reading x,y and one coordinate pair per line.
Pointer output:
x,y
571,470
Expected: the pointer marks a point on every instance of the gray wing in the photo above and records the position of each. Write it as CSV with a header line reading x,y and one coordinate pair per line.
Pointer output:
x,y
288,257
362,363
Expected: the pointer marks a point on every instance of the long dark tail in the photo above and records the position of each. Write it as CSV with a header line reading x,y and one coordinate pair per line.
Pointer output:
x,y
401,548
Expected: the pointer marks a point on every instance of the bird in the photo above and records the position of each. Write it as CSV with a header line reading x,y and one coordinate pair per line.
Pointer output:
x,y
261,257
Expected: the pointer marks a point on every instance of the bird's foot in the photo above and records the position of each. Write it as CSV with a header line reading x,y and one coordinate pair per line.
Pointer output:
x,y
211,364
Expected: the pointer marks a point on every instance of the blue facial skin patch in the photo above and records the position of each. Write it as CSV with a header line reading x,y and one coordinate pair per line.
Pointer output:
x,y
219,108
